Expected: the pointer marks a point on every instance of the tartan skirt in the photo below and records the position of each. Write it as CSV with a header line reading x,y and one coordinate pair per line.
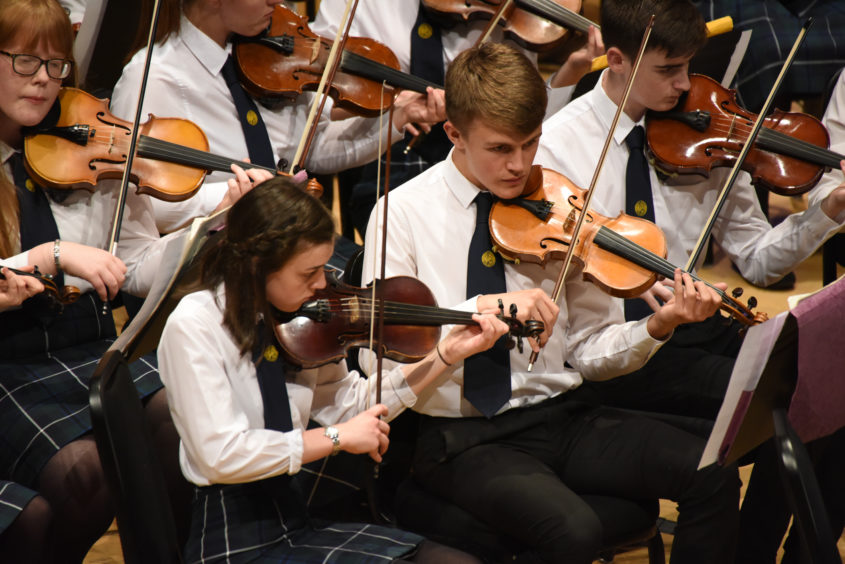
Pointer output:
x,y
266,521
45,370
13,498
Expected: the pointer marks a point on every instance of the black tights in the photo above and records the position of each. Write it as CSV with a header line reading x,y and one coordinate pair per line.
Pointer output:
x,y
430,552
26,539
75,507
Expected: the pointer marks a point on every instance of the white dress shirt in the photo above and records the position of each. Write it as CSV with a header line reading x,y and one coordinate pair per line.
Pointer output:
x,y
391,21
86,217
834,121
430,226
75,9
571,143
216,401
186,81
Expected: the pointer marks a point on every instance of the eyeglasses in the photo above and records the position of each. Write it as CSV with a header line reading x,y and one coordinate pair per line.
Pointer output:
x,y
28,65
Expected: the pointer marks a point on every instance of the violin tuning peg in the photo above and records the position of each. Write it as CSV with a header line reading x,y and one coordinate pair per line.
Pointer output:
x,y
519,344
736,292
513,310
752,302
501,307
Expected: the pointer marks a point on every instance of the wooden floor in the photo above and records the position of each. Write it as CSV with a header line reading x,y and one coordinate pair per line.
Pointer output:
x,y
107,550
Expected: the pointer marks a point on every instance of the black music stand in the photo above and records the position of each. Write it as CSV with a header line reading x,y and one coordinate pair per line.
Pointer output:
x,y
755,409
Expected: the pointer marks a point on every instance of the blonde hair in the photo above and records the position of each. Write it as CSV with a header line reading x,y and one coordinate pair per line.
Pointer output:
x,y
33,21
497,83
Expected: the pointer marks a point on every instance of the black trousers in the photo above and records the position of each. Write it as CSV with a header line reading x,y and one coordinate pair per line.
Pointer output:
x,y
522,473
688,376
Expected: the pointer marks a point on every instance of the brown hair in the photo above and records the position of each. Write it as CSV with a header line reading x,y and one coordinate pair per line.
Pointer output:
x,y
678,26
265,229
497,83
169,22
33,21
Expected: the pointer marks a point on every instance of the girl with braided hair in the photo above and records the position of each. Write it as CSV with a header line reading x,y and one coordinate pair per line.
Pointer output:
x,y
241,414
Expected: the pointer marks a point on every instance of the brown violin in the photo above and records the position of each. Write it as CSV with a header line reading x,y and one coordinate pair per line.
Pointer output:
x,y
289,59
538,25
339,318
623,255
708,129
58,297
88,144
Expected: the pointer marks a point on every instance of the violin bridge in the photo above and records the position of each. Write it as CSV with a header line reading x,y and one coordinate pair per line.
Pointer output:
x,y
354,309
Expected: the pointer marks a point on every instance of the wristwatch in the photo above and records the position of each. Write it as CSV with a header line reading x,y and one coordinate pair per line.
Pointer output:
x,y
332,433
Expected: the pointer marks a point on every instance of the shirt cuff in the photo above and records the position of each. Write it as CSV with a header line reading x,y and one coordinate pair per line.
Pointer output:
x,y
297,447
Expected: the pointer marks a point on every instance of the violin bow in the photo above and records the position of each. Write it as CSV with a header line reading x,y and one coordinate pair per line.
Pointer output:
x,y
588,195
723,195
494,21
114,234
326,79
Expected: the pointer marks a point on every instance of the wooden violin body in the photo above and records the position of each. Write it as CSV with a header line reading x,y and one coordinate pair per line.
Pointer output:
x,y
89,144
708,129
623,255
290,59
340,317
518,235
58,297
538,25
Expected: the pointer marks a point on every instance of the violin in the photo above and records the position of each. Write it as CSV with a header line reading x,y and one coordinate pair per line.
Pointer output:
x,y
623,255
88,144
539,25
339,318
58,297
708,129
288,59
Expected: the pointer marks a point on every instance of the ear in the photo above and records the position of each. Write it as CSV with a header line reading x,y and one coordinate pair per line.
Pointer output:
x,y
616,60
454,135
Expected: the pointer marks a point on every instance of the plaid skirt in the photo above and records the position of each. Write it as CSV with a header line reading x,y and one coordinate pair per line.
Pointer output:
x,y
266,521
46,365
13,498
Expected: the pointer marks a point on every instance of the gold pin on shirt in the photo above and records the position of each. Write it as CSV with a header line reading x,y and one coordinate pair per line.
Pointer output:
x,y
488,259
251,117
424,30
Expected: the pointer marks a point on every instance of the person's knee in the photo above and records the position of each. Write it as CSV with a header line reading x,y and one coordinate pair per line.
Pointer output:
x,y
573,536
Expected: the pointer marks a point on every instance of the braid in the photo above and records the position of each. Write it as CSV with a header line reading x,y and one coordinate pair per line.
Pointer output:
x,y
265,229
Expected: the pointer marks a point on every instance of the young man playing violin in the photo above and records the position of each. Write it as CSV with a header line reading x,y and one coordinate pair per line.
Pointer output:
x,y
762,253
516,448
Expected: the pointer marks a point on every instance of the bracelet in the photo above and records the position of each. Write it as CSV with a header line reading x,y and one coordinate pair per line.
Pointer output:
x,y
56,253
443,360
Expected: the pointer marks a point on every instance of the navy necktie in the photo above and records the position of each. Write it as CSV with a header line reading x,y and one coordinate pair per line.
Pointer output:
x,y
36,219
271,379
638,203
255,132
487,375
427,63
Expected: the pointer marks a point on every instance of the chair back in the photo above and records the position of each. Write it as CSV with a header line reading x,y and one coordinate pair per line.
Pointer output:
x,y
131,465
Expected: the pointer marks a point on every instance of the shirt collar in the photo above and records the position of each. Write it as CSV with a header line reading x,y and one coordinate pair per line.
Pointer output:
x,y
606,109
463,190
207,52
6,153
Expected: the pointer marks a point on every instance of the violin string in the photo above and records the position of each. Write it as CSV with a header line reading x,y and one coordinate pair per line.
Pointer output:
x,y
743,126
558,14
646,258
399,308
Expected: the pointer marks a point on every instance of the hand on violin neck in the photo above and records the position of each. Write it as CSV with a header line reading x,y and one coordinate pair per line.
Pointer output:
x,y
414,108
690,302
834,203
466,340
530,304
244,181
579,62
16,288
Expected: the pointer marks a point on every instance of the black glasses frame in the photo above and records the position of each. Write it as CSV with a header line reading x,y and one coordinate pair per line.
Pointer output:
x,y
67,65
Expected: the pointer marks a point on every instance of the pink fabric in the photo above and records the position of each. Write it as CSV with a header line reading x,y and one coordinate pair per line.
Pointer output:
x,y
818,404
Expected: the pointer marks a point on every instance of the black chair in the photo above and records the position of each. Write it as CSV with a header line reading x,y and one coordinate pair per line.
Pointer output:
x,y
803,494
148,531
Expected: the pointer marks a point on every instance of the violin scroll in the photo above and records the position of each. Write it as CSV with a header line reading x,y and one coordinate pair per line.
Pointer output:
x,y
58,297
